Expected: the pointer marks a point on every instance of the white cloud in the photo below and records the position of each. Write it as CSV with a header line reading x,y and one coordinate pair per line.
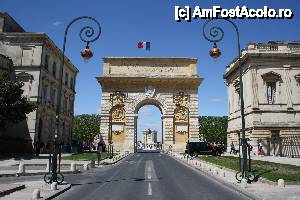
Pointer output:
x,y
145,110
57,23
99,110
216,100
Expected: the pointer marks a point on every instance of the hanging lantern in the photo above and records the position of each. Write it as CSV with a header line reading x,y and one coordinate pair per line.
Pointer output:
x,y
86,53
215,52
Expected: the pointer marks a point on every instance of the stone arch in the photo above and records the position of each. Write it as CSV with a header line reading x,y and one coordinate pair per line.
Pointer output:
x,y
139,103
149,81
148,101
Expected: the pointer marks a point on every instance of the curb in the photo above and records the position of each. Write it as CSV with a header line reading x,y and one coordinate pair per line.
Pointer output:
x,y
58,193
114,162
36,173
230,185
11,190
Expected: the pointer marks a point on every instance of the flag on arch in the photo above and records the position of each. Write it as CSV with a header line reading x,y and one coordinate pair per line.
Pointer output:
x,y
144,45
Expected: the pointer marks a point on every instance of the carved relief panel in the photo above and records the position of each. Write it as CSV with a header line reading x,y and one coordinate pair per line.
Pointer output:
x,y
118,117
181,118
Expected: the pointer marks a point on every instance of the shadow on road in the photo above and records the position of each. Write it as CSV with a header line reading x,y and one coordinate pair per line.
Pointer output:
x,y
108,181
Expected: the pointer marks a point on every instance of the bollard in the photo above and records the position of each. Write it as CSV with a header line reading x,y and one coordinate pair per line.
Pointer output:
x,y
281,183
86,166
244,183
92,164
223,174
47,167
54,186
21,168
215,171
36,194
73,167
203,167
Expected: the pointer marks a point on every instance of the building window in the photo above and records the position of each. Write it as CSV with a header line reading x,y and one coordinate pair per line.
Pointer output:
x,y
46,62
65,104
54,69
271,78
45,93
53,94
71,83
271,92
236,85
66,78
71,106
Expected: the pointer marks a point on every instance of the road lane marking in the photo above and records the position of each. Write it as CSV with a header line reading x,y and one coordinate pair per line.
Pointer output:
x,y
149,189
149,176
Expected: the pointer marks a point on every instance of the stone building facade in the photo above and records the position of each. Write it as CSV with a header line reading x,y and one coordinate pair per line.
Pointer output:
x,y
271,79
171,84
36,60
149,137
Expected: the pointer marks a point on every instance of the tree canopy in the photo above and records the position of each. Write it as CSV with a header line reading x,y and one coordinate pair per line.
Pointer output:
x,y
86,127
213,128
13,106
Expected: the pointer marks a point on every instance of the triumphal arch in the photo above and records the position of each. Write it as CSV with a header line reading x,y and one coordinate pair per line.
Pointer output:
x,y
171,84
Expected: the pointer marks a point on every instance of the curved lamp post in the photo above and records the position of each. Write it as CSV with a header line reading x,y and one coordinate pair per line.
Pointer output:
x,y
216,35
87,34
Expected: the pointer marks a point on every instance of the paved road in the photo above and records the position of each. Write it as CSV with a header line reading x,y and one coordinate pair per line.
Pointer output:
x,y
147,176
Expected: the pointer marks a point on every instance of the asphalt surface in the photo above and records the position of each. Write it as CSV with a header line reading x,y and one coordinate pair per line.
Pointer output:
x,y
147,176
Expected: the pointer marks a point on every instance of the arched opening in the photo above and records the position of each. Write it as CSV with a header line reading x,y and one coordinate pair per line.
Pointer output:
x,y
149,132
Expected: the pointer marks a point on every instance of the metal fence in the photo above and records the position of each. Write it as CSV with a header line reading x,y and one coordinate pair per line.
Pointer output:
x,y
290,146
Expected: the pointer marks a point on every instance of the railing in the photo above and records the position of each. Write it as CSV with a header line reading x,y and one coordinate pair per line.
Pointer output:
x,y
291,146
294,47
275,47
269,47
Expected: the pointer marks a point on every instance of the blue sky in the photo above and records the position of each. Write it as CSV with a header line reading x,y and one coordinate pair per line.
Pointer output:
x,y
124,23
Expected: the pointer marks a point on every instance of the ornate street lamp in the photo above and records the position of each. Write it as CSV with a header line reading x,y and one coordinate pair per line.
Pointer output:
x,y
216,34
87,34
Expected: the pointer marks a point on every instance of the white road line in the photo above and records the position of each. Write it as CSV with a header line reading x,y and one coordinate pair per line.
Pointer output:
x,y
149,176
149,189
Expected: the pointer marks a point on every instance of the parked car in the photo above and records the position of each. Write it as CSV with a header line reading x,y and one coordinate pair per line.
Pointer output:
x,y
200,148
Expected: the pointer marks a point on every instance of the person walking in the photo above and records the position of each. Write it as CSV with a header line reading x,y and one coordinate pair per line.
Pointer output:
x,y
99,151
232,148
259,149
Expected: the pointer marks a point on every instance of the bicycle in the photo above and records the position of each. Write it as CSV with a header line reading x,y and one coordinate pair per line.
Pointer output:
x,y
250,176
48,178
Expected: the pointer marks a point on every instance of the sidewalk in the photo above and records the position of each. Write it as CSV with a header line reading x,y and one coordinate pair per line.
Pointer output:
x,y
275,159
256,190
24,190
27,192
38,166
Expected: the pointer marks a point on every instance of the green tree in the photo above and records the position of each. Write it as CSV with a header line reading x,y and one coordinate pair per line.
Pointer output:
x,y
213,128
13,106
86,127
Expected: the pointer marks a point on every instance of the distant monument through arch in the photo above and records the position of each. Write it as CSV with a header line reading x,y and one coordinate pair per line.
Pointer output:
x,y
171,84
